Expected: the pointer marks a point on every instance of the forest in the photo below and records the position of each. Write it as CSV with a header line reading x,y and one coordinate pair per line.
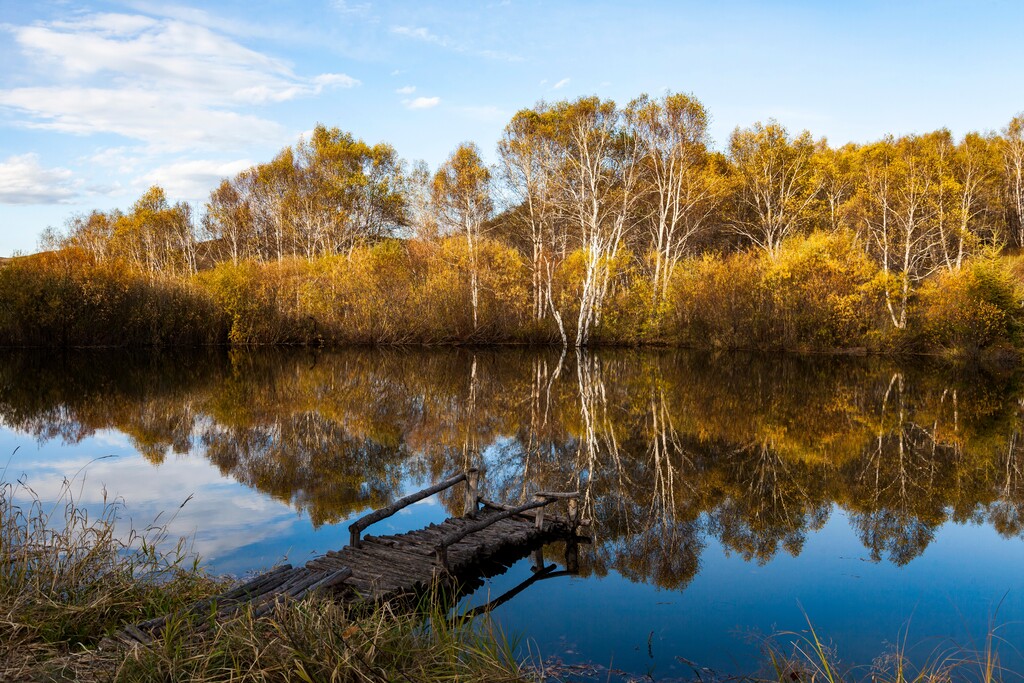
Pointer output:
x,y
600,224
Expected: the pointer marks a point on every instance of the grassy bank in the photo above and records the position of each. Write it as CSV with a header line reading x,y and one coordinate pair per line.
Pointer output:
x,y
67,580
818,293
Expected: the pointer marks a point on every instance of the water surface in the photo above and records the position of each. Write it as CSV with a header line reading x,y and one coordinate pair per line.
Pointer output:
x,y
731,495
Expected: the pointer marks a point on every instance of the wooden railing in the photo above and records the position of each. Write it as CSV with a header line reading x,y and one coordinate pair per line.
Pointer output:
x,y
471,477
541,499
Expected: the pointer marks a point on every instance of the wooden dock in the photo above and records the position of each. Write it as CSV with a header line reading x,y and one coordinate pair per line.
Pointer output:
x,y
455,555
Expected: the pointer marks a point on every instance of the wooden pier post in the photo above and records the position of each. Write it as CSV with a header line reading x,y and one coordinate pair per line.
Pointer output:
x,y
572,555
538,498
472,492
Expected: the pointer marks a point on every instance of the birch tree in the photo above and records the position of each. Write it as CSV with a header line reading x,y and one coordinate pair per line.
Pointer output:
x,y
895,213
228,219
462,198
1013,175
775,183
597,193
530,164
682,187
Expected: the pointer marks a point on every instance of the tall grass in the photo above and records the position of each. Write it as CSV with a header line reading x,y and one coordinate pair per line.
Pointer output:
x,y
68,580
807,656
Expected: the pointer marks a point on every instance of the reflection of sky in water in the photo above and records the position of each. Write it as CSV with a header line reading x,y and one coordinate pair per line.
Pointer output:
x,y
945,594
234,529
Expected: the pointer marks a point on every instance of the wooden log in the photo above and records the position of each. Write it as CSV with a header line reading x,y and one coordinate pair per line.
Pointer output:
x,y
357,527
255,584
529,513
558,494
331,580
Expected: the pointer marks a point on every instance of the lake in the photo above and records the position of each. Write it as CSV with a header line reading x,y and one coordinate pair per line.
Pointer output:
x,y
732,495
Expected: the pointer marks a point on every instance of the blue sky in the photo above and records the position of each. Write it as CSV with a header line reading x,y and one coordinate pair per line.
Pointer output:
x,y
99,100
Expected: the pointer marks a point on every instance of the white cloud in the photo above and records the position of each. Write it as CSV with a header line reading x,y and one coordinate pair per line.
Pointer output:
x,y
167,82
422,103
406,90
561,84
193,180
160,119
420,33
352,8
121,159
23,180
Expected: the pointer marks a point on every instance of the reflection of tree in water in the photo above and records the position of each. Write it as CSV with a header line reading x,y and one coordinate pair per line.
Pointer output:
x,y
1007,512
769,503
668,449
309,462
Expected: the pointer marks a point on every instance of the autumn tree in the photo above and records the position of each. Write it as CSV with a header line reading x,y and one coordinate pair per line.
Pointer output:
x,y
596,194
324,196
1013,175
92,233
679,183
835,175
973,185
529,164
775,183
462,198
895,212
228,219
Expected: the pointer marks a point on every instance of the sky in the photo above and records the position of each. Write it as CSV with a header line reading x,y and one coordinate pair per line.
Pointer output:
x,y
100,100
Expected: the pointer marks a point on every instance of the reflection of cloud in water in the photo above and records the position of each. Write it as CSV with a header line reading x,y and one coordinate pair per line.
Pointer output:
x,y
221,517
113,438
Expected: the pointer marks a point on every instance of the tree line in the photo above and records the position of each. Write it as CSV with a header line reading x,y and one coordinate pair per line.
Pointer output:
x,y
597,215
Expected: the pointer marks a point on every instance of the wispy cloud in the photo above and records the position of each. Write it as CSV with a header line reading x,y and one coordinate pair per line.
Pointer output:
x,y
561,84
23,180
167,82
406,90
422,103
425,35
350,8
420,33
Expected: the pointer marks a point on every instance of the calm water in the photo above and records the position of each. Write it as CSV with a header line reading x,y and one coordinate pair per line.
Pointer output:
x,y
730,494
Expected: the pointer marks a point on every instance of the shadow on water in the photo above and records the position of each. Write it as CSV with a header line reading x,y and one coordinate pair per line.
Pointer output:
x,y
673,452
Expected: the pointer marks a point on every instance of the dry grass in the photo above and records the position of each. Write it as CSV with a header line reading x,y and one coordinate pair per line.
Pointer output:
x,y
67,580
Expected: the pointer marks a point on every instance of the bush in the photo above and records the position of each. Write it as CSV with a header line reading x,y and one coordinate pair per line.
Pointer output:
x,y
969,311
66,299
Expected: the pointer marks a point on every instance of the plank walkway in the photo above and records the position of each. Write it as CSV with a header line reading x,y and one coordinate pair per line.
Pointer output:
x,y
454,555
